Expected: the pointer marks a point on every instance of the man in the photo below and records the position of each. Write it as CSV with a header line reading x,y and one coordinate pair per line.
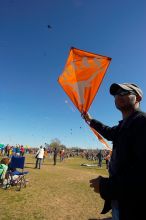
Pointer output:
x,y
127,180
100,158
55,155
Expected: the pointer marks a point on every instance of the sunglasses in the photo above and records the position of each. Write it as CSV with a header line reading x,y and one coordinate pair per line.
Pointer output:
x,y
123,93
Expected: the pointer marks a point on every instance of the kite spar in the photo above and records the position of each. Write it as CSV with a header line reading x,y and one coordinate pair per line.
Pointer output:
x,y
82,77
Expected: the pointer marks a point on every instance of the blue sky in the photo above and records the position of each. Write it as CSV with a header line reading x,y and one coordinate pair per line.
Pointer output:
x,y
33,106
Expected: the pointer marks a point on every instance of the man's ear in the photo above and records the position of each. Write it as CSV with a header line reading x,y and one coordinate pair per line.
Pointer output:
x,y
138,98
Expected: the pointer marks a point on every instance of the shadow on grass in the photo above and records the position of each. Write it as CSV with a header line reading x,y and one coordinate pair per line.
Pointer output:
x,y
34,165
100,219
26,167
47,164
29,163
43,164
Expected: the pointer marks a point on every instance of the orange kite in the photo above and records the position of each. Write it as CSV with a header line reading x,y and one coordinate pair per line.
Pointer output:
x,y
82,77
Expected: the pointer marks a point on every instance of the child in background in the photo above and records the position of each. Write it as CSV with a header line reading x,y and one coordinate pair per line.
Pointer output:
x,y
3,169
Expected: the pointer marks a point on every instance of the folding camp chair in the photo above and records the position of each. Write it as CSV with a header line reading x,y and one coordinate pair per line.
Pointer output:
x,y
16,174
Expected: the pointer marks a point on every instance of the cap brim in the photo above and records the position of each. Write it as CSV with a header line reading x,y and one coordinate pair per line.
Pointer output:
x,y
115,87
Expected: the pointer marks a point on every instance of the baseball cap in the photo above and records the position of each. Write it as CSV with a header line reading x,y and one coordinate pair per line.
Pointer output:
x,y
126,86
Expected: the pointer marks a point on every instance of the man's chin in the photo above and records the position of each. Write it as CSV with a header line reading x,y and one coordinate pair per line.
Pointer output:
x,y
119,107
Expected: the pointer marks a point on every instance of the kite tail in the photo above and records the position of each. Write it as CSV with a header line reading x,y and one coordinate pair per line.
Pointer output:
x,y
100,138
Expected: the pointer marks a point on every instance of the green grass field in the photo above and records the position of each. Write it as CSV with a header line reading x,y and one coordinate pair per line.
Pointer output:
x,y
58,192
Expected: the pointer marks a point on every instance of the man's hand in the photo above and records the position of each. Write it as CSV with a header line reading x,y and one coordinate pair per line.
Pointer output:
x,y
86,117
94,183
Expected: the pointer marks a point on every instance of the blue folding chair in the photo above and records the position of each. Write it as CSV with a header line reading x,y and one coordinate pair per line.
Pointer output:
x,y
16,174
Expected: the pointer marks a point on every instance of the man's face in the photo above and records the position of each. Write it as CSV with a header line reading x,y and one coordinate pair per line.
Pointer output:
x,y
125,100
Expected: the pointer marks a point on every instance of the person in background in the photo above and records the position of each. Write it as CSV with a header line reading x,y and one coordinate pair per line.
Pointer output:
x,y
3,169
55,152
22,150
100,157
62,154
125,188
45,154
39,157
17,150
107,158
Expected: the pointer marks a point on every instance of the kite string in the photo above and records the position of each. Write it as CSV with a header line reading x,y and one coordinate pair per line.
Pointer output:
x,y
69,105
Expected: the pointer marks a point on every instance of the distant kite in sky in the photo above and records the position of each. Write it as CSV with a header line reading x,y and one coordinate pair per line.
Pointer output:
x,y
82,77
49,27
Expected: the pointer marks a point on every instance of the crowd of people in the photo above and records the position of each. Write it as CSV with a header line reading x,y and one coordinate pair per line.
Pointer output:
x,y
19,150
41,154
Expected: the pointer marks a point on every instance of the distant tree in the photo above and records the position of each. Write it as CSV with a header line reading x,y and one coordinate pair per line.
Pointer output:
x,y
75,149
55,143
62,146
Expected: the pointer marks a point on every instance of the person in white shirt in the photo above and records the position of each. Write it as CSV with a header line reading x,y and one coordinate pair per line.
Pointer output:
x,y
39,157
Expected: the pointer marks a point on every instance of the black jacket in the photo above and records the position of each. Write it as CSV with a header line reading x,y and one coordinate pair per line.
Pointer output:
x,y
127,182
